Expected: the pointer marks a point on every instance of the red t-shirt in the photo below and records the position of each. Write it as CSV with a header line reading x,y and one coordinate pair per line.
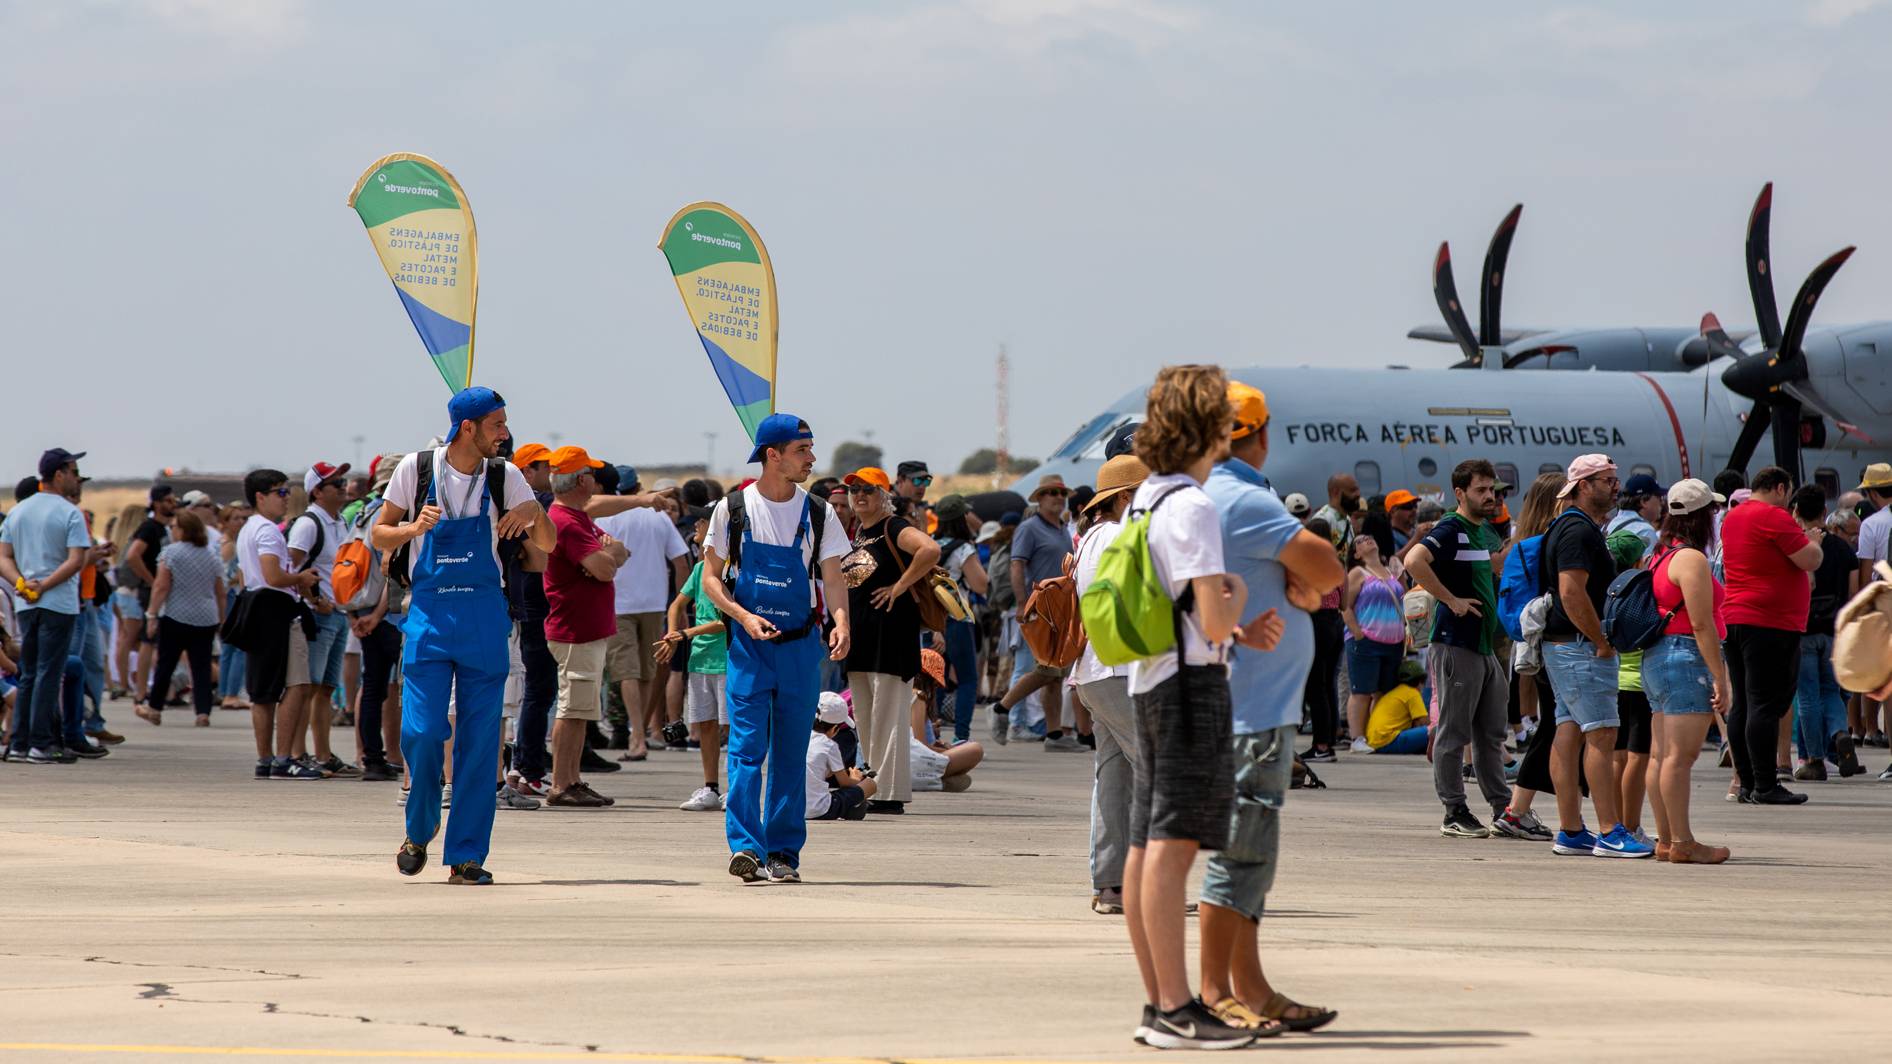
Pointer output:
x,y
581,609
1764,588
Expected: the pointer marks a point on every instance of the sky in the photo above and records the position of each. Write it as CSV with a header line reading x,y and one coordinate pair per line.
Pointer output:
x,y
1101,186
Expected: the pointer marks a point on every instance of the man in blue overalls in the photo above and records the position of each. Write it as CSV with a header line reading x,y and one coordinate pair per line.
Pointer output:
x,y
765,542
463,499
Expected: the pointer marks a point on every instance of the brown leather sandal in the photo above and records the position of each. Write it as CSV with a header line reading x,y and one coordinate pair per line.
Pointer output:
x,y
1306,1018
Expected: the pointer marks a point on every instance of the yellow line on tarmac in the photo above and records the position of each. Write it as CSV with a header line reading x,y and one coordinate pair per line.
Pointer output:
x,y
462,1054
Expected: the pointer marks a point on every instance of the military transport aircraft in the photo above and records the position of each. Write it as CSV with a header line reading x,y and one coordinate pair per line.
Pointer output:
x,y
1823,396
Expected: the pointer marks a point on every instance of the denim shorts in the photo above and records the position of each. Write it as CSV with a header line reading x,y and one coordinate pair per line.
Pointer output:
x,y
327,648
1373,667
1585,685
1675,676
1241,874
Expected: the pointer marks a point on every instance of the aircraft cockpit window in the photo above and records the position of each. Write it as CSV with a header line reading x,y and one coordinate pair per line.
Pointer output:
x,y
1828,480
1508,474
1549,467
1367,475
1088,442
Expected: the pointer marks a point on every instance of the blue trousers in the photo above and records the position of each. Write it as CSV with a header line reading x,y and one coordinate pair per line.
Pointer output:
x,y
89,644
1819,704
230,671
1410,741
771,724
45,643
962,654
427,685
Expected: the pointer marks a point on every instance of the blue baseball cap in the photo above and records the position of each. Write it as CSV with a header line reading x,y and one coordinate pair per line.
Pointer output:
x,y
778,429
627,479
1642,484
470,404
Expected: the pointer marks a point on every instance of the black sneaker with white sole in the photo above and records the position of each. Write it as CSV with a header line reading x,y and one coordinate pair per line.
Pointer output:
x,y
1142,1035
1195,1027
744,866
780,871
1459,823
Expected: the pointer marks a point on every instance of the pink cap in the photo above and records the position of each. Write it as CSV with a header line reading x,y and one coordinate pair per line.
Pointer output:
x,y
1585,467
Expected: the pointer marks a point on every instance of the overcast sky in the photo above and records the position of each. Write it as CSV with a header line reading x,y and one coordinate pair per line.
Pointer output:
x,y
1102,185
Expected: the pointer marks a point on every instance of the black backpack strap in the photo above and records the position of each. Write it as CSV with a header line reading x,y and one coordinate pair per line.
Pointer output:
x,y
817,519
496,484
738,520
423,478
315,550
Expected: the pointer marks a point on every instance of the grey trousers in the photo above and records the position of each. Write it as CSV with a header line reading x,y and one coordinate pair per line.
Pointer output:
x,y
883,707
1472,694
1114,727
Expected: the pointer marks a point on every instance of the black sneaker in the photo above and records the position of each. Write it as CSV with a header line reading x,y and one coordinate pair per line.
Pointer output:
x,y
890,808
744,866
410,858
1194,1027
375,771
1886,775
780,871
1459,823
1846,755
262,768
469,873
285,769
87,749
338,768
1320,756
589,761
1778,796
1142,1035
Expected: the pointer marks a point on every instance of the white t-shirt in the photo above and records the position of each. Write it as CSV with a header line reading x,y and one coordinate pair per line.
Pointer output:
x,y
1874,534
956,564
824,760
215,535
302,537
456,493
775,524
642,584
258,537
1185,542
1089,551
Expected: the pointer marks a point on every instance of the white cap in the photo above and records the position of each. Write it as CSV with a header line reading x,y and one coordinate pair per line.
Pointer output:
x,y
1687,496
833,709
989,531
1297,504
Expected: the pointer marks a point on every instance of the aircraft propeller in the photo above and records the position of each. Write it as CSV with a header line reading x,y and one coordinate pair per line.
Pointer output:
x,y
1771,377
1445,291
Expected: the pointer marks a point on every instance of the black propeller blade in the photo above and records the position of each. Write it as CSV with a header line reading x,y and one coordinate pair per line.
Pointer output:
x,y
1445,291
1720,344
1495,256
1760,284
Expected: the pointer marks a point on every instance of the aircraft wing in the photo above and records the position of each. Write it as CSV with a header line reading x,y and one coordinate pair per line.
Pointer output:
x,y
1439,334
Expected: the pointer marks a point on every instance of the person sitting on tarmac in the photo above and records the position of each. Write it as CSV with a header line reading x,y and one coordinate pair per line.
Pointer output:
x,y
1398,722
937,765
835,792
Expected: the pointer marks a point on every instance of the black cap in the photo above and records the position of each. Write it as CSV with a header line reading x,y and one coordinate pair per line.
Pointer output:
x,y
25,489
911,469
1123,441
161,491
56,459
607,478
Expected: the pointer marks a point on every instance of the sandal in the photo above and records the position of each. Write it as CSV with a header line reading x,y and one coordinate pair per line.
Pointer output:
x,y
1236,1014
203,720
1308,1018
154,717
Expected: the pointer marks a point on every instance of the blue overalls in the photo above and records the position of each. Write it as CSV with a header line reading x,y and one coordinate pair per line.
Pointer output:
x,y
773,689
456,631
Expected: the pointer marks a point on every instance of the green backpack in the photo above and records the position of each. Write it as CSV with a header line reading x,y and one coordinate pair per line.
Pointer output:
x,y
1128,614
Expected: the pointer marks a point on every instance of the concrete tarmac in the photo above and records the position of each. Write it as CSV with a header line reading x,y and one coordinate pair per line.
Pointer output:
x,y
163,904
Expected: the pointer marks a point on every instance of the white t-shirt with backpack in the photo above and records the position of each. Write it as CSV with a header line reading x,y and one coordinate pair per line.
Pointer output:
x,y
1185,541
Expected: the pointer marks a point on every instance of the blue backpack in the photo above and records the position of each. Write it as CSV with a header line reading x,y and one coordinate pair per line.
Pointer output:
x,y
1521,582
1631,618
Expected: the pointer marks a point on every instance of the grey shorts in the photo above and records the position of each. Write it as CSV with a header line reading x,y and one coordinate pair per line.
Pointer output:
x,y
1185,786
703,699
1239,877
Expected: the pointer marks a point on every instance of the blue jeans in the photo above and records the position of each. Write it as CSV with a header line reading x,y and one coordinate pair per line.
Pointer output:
x,y
1819,704
230,670
962,655
1410,741
1585,685
89,645
45,643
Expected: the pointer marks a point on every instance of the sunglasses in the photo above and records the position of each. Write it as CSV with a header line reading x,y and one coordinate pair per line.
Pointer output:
x,y
283,492
861,489
1055,493
924,482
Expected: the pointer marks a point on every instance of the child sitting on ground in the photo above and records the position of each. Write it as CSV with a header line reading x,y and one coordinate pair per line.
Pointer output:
x,y
1398,722
835,791
937,766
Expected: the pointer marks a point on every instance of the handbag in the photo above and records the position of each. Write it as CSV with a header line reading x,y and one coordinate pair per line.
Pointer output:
x,y
934,593
1862,636
237,624
1050,620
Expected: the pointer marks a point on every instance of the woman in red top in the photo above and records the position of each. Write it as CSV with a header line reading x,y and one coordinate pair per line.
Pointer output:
x,y
1684,675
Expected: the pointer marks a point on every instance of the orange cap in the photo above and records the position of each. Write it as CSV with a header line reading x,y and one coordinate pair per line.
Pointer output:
x,y
870,475
572,459
1504,514
1400,497
1251,408
527,454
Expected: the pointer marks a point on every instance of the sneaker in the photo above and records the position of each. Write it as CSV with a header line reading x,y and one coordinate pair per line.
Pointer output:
x,y
1643,837
1320,756
780,871
285,769
469,873
1461,824
87,749
744,866
410,858
1578,843
262,768
1108,902
446,796
1194,1027
401,799
589,761
1811,772
339,769
1142,1035
533,788
378,772
1360,746
309,762
1066,743
1886,775
37,756
1524,826
1846,755
887,806
705,800
507,798
1778,796
1620,843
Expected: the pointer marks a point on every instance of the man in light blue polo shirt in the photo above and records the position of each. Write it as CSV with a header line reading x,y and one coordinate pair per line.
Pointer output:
x,y
1287,570
43,546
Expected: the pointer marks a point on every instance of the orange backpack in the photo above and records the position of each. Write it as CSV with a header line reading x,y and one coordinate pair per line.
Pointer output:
x,y
1051,622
